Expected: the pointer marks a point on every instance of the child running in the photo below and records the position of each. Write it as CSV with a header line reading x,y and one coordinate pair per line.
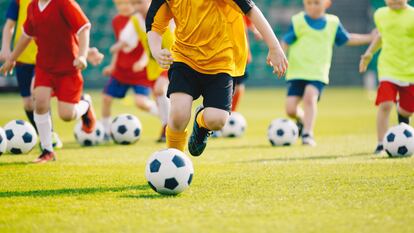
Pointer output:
x,y
310,42
395,24
60,30
202,63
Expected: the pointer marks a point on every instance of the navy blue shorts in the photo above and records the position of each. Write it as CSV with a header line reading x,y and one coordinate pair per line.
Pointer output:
x,y
25,74
297,87
216,89
241,79
118,90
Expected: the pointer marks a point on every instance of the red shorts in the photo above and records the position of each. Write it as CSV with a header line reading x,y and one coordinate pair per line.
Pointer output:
x,y
388,91
67,88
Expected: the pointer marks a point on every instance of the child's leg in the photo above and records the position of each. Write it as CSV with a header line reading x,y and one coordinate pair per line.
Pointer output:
x,y
179,117
163,103
310,106
383,114
293,110
25,74
145,103
212,118
42,116
106,113
69,111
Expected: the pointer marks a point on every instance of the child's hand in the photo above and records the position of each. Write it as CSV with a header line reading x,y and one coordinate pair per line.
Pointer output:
x,y
277,59
80,63
7,67
365,60
94,56
107,71
4,54
139,66
163,58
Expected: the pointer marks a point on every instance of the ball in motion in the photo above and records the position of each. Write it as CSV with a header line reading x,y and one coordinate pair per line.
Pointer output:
x,y
235,126
21,137
3,141
282,132
126,129
399,141
169,172
89,139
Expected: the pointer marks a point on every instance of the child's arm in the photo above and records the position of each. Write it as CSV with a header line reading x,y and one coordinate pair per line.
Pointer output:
x,y
94,56
8,66
366,58
107,71
162,56
276,57
8,31
81,61
141,63
360,39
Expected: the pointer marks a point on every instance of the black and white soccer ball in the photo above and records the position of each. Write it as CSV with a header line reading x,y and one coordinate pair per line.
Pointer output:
x,y
89,139
399,141
3,141
169,171
282,132
126,129
235,126
21,137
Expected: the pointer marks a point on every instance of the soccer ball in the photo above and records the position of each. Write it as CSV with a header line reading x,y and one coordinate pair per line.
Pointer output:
x,y
89,139
169,172
3,142
399,141
126,129
21,136
235,126
282,132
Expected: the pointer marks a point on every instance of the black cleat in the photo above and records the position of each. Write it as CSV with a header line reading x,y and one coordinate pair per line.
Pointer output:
x,y
198,139
379,149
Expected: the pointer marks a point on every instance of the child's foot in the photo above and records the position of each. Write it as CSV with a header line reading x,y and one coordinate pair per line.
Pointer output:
x,y
107,138
216,134
198,139
308,140
45,157
89,118
57,143
162,138
299,124
379,149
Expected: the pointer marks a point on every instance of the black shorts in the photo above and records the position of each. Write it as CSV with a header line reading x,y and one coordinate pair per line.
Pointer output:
x,y
25,74
297,87
216,89
240,79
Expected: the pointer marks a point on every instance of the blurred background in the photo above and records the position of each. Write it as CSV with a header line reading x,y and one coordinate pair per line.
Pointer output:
x,y
356,16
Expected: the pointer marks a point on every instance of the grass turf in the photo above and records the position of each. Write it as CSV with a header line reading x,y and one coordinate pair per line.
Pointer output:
x,y
240,185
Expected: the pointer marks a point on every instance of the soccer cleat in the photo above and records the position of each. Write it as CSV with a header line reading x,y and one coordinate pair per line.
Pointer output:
x,y
107,138
308,140
163,137
57,143
198,139
379,149
45,157
89,118
299,124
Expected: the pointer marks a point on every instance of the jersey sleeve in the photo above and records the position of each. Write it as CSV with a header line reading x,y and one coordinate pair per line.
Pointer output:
x,y
290,36
342,35
158,17
13,10
74,15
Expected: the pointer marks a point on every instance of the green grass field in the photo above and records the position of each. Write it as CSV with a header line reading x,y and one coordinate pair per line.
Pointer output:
x,y
240,185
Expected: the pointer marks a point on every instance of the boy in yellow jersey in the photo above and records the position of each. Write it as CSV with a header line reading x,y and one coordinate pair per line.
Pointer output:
x,y
202,62
310,41
395,24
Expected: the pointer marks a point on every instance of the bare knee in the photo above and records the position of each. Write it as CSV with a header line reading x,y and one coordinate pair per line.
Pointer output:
x,y
66,114
386,107
28,104
41,105
310,100
291,110
179,119
215,119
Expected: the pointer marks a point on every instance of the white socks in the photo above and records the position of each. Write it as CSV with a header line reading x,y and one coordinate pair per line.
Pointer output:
x,y
81,108
163,108
44,127
153,109
106,122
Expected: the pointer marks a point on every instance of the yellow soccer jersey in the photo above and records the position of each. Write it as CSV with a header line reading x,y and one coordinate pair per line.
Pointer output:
x,y
202,35
29,54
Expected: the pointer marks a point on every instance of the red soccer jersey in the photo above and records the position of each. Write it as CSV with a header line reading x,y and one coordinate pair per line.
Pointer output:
x,y
54,29
123,68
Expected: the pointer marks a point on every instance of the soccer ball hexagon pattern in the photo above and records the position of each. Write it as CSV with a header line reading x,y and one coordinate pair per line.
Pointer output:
x,y
235,126
126,129
89,139
3,141
399,141
169,172
21,137
282,132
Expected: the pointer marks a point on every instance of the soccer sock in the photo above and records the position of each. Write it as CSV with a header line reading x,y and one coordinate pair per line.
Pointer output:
x,y
235,101
106,122
30,116
200,120
153,108
81,108
176,140
44,125
163,108
403,119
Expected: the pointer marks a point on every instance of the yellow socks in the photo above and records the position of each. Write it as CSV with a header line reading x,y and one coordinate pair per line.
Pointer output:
x,y
176,140
200,120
